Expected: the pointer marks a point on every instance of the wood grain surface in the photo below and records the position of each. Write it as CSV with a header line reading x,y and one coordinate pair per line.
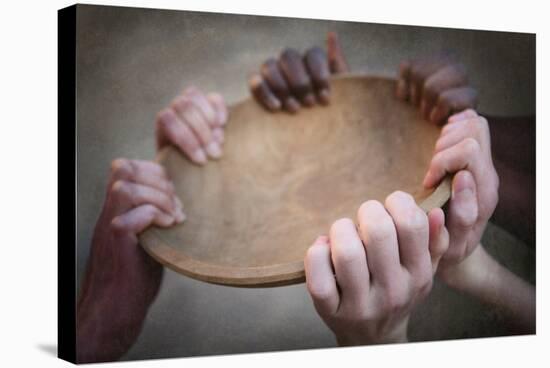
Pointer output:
x,y
285,178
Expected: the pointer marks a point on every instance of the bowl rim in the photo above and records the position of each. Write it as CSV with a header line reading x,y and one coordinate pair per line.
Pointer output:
x,y
280,274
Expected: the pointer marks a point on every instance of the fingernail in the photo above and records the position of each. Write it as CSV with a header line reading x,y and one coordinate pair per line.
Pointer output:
x,y
168,220
199,156
178,203
309,100
178,213
321,239
180,217
324,96
213,149
218,135
274,104
426,182
292,105
223,118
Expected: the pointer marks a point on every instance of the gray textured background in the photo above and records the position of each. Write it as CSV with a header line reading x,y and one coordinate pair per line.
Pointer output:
x,y
131,62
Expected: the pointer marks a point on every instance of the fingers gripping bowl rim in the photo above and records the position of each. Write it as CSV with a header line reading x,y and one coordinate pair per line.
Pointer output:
x,y
284,179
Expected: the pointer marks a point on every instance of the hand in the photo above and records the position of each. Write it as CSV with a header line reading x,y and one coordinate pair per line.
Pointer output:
x,y
194,123
464,148
437,85
364,281
295,80
121,280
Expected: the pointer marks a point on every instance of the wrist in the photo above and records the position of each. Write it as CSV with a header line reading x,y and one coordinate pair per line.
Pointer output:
x,y
469,273
394,335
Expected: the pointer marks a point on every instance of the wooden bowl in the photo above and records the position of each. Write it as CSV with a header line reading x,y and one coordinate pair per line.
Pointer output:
x,y
284,179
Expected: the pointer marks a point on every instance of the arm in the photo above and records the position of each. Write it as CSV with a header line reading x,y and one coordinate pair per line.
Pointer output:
x,y
482,277
121,280
464,148
439,87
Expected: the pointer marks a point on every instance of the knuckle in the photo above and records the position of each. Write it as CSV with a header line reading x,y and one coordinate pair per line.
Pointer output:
x,y
117,226
472,126
410,219
255,81
119,187
454,253
122,189
124,169
164,115
164,121
121,166
370,207
269,67
395,299
466,218
424,287
316,252
413,221
381,233
437,160
441,247
471,147
431,90
116,163
341,224
471,112
444,100
315,52
321,291
289,52
162,170
150,210
422,277
270,62
482,123
316,49
399,196
347,254
180,103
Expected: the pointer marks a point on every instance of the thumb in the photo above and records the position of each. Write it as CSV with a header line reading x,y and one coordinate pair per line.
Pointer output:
x,y
439,236
462,215
336,60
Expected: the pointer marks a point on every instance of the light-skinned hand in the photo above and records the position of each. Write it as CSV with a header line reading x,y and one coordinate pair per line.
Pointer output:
x,y
364,280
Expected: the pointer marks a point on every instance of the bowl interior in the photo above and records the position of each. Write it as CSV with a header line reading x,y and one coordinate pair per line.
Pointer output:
x,y
285,178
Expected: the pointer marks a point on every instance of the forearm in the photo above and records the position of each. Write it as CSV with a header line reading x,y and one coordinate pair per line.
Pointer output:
x,y
107,326
484,278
